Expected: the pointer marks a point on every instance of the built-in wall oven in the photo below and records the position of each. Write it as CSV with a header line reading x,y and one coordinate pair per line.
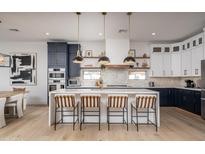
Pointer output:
x,y
56,78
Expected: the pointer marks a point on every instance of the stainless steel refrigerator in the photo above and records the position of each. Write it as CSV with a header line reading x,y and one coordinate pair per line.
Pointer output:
x,y
203,89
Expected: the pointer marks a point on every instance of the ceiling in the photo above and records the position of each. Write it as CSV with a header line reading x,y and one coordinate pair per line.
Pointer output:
x,y
169,27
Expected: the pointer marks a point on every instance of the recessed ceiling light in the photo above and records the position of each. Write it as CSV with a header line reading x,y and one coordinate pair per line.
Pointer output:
x,y
14,30
153,34
47,33
100,34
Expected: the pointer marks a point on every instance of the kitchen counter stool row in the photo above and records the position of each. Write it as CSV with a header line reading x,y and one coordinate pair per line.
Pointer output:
x,y
117,106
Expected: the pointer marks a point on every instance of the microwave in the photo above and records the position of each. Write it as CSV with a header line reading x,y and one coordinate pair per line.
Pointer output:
x,y
73,82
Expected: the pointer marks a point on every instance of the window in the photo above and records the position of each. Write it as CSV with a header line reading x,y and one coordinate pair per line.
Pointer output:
x,y
91,75
137,75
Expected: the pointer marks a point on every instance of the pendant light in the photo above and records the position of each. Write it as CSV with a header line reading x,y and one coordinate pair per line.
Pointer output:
x,y
129,59
104,59
2,60
78,59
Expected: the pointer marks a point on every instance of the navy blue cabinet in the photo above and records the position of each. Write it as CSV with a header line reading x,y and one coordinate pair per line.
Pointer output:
x,y
188,100
197,101
73,69
166,96
57,53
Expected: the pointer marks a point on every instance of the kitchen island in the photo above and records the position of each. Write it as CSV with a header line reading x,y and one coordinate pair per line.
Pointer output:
x,y
104,93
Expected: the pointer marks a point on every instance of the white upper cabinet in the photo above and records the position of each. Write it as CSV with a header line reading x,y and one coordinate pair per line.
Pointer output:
x,y
186,63
197,56
167,61
197,53
156,61
175,64
157,65
176,59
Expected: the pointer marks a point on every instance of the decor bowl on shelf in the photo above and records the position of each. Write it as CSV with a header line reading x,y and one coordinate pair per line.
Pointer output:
x,y
144,55
144,65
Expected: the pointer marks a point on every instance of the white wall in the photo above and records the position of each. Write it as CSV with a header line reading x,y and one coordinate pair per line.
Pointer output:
x,y
117,50
38,93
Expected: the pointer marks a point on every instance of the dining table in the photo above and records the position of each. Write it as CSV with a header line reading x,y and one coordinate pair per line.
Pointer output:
x,y
6,96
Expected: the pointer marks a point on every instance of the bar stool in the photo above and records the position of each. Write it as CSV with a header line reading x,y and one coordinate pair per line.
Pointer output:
x,y
117,104
90,107
145,104
66,104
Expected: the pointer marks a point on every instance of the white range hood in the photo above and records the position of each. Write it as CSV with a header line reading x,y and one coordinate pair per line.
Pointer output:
x,y
117,50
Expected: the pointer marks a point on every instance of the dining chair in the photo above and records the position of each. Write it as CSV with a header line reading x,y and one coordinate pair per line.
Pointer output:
x,y
143,106
15,102
2,116
23,90
117,106
90,107
65,103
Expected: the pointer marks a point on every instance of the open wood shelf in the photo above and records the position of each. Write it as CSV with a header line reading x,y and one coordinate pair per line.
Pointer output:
x,y
143,68
91,57
90,68
142,57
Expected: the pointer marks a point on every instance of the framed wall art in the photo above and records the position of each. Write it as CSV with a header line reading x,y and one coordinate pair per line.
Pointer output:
x,y
23,69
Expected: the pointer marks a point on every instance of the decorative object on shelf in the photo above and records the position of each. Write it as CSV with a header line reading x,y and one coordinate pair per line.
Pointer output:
x,y
144,55
5,60
144,64
88,53
131,54
137,64
104,59
99,83
78,59
23,69
2,61
88,65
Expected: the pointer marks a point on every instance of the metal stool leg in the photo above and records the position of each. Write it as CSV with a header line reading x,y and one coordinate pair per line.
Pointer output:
x,y
137,119
78,112
62,114
99,117
127,117
55,120
108,114
123,116
81,114
147,115
156,120
131,114
74,118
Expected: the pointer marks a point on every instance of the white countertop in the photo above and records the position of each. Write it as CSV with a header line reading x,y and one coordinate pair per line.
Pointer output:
x,y
130,87
104,91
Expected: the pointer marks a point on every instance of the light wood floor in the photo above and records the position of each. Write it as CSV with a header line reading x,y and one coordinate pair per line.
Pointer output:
x,y
176,124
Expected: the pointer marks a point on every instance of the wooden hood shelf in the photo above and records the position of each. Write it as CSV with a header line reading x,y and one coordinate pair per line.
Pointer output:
x,y
118,66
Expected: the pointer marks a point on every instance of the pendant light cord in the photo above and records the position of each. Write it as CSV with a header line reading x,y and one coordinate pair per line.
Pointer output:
x,y
129,25
104,14
129,14
78,14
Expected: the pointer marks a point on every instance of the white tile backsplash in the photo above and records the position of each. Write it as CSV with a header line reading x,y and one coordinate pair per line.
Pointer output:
x,y
120,77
